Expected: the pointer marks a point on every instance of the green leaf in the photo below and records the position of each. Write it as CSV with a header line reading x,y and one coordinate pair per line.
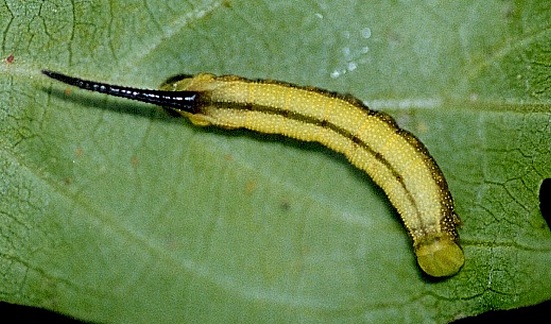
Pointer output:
x,y
114,211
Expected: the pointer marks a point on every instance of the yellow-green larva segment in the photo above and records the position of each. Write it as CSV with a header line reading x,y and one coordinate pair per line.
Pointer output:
x,y
439,257
393,158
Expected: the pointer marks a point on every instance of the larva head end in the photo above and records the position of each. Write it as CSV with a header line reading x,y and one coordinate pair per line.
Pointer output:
x,y
439,257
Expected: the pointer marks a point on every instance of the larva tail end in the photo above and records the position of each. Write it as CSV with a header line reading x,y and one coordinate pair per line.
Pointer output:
x,y
440,257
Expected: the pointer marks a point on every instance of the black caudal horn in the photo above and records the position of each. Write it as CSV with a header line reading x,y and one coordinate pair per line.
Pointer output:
x,y
178,100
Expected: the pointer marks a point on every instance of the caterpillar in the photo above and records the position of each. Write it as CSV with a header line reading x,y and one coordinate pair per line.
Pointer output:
x,y
372,141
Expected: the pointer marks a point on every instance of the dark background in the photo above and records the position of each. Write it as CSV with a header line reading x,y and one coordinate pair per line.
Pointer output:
x,y
533,314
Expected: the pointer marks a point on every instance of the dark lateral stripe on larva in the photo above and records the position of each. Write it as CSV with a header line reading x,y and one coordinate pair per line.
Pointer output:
x,y
325,124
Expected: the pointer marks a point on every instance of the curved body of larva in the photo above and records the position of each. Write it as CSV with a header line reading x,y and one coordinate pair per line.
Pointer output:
x,y
395,160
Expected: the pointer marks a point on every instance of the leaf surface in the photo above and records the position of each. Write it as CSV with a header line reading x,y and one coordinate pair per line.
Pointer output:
x,y
115,211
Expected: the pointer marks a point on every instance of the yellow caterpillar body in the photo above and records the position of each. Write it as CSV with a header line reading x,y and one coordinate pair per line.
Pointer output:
x,y
397,161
